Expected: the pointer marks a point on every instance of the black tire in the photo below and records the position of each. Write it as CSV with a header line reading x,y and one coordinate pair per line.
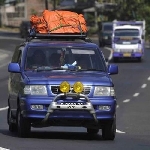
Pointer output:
x,y
115,59
101,44
92,131
104,44
12,126
139,59
109,130
24,126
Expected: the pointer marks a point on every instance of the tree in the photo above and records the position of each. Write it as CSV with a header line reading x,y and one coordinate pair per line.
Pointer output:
x,y
132,10
2,2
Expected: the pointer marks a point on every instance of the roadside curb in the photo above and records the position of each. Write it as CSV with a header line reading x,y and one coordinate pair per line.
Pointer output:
x,y
4,55
11,30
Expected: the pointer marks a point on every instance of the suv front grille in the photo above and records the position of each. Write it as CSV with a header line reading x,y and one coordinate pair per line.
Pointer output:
x,y
56,90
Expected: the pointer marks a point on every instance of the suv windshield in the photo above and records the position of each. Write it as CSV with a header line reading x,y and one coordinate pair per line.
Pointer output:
x,y
126,32
108,27
56,57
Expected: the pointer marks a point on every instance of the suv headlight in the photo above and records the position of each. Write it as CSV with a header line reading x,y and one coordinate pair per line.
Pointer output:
x,y
35,90
105,37
137,50
104,91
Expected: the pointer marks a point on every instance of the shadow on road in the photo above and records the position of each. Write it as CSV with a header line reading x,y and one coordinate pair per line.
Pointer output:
x,y
65,135
56,135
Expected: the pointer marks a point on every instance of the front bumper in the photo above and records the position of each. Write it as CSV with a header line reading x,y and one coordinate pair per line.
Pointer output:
x,y
53,110
127,55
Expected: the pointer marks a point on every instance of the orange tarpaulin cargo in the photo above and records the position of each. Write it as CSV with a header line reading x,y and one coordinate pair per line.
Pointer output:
x,y
59,22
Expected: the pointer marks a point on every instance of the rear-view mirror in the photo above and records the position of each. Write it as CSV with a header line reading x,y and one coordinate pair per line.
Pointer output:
x,y
14,67
112,69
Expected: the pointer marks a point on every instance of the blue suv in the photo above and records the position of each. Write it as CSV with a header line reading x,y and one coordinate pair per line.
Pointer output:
x,y
61,80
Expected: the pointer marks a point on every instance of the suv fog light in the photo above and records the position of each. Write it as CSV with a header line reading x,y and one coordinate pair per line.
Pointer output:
x,y
78,87
104,107
37,107
64,87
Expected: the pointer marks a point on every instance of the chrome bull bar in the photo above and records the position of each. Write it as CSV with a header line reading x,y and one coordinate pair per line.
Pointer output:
x,y
55,106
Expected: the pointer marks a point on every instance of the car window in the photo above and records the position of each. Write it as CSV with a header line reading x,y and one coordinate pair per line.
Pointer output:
x,y
16,56
126,32
108,27
19,57
87,58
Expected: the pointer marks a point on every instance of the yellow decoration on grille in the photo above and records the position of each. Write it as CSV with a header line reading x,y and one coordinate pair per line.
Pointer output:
x,y
64,87
78,87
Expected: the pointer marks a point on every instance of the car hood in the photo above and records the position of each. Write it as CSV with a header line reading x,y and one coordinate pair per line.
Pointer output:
x,y
89,78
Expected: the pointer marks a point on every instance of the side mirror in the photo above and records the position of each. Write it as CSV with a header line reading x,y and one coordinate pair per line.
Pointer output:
x,y
14,67
112,69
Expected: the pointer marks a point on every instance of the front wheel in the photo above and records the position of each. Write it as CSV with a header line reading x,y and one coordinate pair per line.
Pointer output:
x,y
24,126
109,130
115,59
101,44
12,126
139,59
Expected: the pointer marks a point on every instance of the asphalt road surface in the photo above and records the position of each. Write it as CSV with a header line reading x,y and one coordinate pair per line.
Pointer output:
x,y
132,86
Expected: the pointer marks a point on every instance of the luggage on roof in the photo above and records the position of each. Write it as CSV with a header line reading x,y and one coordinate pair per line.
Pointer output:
x,y
59,22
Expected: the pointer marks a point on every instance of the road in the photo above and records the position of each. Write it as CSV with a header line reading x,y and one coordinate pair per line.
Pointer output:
x,y
132,86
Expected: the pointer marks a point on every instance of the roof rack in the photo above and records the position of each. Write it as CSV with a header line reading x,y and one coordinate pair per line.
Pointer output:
x,y
67,36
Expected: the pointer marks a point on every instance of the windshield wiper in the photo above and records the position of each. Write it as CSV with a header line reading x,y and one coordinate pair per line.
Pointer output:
x,y
47,68
91,69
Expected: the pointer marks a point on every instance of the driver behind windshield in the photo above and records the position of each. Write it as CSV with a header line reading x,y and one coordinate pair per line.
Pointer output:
x,y
54,60
82,62
38,59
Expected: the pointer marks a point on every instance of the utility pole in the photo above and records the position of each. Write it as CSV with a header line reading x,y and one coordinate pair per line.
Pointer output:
x,y
46,4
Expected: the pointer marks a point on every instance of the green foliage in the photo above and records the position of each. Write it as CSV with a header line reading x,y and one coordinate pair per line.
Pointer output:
x,y
2,2
132,10
34,12
92,30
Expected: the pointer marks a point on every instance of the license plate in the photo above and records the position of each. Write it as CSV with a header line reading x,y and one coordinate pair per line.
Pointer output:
x,y
71,103
126,43
127,54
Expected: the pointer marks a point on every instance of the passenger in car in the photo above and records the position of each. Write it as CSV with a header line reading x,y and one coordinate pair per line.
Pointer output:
x,y
83,62
36,60
54,60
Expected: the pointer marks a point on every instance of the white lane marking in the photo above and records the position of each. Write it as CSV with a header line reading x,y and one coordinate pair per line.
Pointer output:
x,y
126,101
5,51
3,56
118,131
1,109
136,94
144,86
1,148
5,64
111,52
117,106
148,78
